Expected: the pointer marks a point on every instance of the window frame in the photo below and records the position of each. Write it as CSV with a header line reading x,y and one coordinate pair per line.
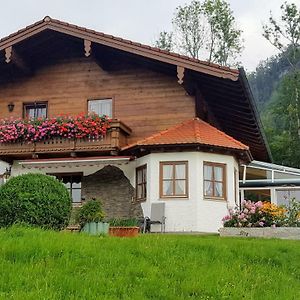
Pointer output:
x,y
161,179
142,168
59,176
35,104
224,181
102,98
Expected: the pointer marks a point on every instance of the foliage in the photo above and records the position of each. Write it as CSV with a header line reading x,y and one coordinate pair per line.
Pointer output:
x,y
293,213
165,41
285,33
123,222
224,39
35,199
280,122
34,130
255,214
90,211
38,264
204,27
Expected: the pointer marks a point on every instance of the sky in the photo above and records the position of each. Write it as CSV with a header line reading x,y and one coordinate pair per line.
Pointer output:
x,y
140,20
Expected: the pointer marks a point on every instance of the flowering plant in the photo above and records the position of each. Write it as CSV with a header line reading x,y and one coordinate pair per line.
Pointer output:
x,y
82,126
255,214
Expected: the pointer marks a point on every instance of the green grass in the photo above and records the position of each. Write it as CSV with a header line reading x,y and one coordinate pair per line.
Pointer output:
x,y
37,264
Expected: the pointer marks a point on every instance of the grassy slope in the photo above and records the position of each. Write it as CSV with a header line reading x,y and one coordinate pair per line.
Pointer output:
x,y
47,265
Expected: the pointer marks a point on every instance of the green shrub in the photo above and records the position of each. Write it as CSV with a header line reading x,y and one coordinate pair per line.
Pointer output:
x,y
35,199
91,211
123,222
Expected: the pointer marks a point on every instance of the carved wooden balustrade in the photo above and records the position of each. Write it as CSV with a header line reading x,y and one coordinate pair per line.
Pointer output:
x,y
115,138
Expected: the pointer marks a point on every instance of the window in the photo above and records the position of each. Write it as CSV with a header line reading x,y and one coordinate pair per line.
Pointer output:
x,y
73,183
214,180
35,110
141,183
101,107
173,179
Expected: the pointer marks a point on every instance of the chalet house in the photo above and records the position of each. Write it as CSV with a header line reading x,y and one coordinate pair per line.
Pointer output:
x,y
179,128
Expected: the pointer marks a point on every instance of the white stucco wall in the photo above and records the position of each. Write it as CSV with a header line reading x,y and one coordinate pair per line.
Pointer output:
x,y
183,214
3,166
194,213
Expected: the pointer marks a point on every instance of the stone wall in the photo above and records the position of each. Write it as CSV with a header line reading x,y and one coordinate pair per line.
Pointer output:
x,y
292,233
113,188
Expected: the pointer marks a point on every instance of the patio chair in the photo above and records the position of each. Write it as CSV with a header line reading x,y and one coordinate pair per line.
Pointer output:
x,y
157,216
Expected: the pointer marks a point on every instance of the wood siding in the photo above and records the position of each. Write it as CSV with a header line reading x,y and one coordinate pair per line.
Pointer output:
x,y
144,100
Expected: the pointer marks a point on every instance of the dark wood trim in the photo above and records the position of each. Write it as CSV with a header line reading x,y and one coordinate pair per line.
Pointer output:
x,y
173,163
143,183
224,181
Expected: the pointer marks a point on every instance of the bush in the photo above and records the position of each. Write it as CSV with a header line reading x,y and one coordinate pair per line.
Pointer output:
x,y
91,211
35,199
123,222
256,214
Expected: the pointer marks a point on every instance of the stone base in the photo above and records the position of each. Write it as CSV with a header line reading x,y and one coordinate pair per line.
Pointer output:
x,y
292,233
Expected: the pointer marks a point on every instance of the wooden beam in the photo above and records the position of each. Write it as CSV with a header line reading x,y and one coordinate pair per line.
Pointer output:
x,y
11,56
180,74
87,48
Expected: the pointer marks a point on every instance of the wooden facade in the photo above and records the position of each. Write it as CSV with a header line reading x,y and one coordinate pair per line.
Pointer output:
x,y
144,100
65,66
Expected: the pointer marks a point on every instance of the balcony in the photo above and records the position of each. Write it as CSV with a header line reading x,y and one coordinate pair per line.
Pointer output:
x,y
114,139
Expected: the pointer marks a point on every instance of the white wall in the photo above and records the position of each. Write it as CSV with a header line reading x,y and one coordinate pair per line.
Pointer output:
x,y
195,213
184,214
3,166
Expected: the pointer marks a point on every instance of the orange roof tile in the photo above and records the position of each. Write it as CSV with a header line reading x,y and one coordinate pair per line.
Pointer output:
x,y
194,131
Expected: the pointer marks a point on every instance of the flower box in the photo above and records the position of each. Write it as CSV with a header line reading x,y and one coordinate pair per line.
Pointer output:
x,y
292,233
96,228
124,231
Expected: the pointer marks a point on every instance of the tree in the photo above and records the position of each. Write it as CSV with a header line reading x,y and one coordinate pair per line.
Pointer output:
x,y
279,119
225,41
205,28
285,36
165,41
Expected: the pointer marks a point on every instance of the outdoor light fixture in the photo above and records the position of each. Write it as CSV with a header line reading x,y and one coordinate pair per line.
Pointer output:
x,y
11,107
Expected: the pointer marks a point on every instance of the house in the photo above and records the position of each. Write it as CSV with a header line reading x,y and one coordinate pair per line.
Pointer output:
x,y
179,128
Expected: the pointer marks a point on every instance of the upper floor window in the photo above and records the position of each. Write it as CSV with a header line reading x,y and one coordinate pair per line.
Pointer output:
x,y
35,110
214,180
141,183
101,107
174,179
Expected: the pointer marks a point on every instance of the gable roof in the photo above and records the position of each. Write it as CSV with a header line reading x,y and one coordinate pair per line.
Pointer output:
x,y
191,132
118,43
226,90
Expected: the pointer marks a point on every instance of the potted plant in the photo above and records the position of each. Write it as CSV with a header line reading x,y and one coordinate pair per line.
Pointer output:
x,y
90,217
124,227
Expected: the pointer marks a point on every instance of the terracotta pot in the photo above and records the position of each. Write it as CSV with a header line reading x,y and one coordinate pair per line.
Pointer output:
x,y
131,231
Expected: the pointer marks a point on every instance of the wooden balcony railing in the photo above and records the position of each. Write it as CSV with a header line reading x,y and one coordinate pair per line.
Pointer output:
x,y
115,138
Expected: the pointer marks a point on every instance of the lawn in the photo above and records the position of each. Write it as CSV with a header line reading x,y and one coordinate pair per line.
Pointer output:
x,y
37,264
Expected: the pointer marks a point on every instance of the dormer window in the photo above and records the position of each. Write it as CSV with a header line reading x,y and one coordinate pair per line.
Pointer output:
x,y
101,107
35,110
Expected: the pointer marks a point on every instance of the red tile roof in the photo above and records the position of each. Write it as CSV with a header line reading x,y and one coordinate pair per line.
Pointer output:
x,y
194,131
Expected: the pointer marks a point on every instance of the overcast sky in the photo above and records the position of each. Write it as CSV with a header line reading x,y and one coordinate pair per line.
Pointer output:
x,y
139,20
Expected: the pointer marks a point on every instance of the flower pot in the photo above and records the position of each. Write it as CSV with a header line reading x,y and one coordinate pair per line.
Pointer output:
x,y
95,228
119,231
